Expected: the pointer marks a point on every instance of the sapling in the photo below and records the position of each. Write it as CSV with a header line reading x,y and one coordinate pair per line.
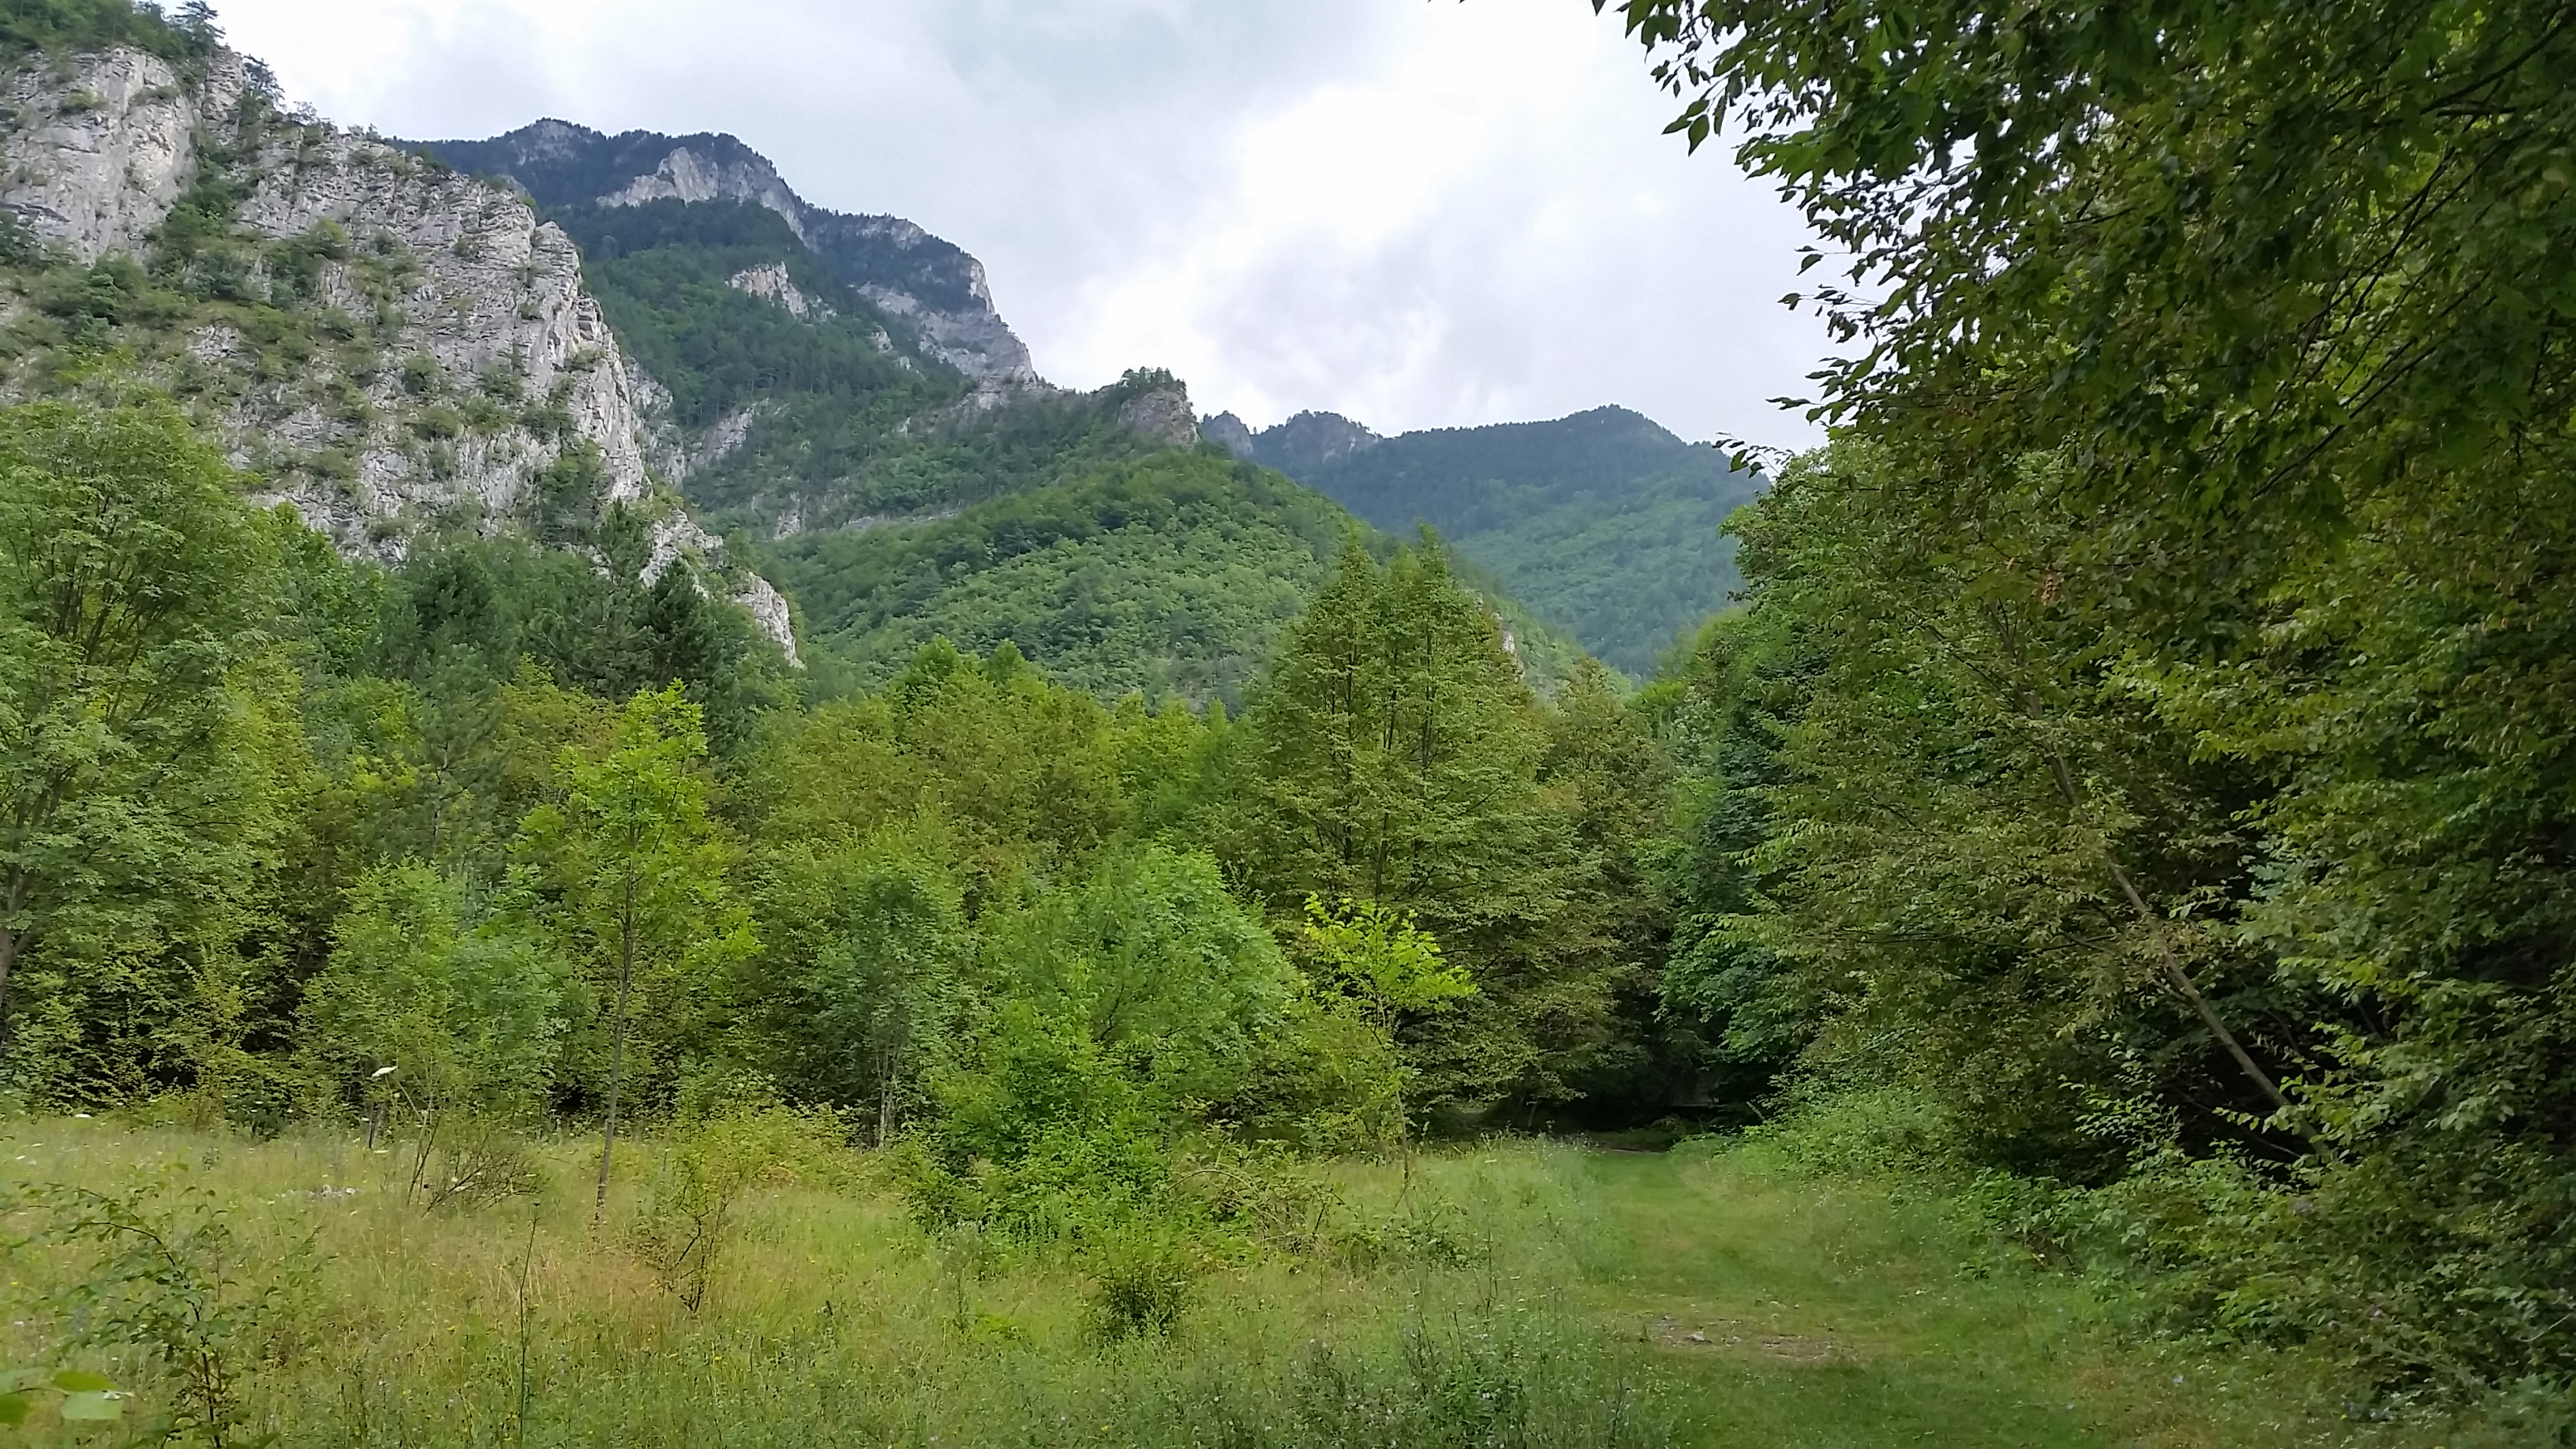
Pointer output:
x,y
1375,957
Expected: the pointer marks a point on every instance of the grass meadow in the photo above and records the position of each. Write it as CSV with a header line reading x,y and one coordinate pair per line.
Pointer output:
x,y
1517,1292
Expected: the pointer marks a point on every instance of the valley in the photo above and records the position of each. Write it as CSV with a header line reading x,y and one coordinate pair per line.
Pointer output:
x,y
619,826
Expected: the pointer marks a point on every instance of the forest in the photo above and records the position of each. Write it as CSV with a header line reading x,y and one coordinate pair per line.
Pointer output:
x,y
2079,951
1600,522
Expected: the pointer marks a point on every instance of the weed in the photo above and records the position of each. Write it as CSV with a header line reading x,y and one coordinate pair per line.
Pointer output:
x,y
168,1280
1140,1284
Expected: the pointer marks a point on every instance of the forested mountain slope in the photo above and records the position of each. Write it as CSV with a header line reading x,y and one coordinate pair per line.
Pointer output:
x,y
935,289
394,349
1601,522
844,400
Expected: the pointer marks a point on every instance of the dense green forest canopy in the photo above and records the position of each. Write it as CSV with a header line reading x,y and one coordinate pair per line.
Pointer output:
x,y
2135,789
1172,573
490,785
2147,748
1601,522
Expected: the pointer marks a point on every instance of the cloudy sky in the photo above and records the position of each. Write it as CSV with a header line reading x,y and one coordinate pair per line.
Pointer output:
x,y
1419,213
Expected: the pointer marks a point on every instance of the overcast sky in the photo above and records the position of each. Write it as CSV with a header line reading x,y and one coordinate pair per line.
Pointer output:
x,y
1418,213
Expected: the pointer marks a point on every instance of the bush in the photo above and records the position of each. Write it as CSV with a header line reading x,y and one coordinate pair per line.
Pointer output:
x,y
1141,1281
733,1135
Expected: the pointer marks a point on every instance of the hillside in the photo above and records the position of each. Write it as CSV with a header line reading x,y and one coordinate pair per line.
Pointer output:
x,y
935,289
403,355
2080,956
412,342
847,404
1602,522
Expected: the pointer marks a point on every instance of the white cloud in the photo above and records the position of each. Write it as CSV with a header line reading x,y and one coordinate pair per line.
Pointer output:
x,y
1418,214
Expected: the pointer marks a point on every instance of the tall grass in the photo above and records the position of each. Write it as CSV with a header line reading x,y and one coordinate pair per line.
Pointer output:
x,y
835,1321
1514,1294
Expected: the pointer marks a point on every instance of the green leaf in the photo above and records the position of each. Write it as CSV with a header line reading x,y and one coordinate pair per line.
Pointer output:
x,y
80,1381
88,1408
13,1409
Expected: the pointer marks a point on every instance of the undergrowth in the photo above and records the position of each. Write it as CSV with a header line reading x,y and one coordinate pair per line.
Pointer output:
x,y
1508,1293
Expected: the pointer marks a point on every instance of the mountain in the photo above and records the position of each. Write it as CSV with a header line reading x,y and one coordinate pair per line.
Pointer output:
x,y
633,354
935,290
1308,443
900,484
388,346
1601,522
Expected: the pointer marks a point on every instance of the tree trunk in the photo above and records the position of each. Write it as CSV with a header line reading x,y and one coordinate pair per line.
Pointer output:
x,y
2180,980
8,959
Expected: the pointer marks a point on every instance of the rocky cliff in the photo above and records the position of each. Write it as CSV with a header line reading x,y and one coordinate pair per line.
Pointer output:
x,y
383,339
1306,443
927,286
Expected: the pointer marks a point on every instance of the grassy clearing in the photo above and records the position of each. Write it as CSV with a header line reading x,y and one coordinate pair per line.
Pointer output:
x,y
1520,1293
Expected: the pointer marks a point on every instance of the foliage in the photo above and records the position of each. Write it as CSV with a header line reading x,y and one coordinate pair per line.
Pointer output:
x,y
1396,757
864,944
463,612
463,1015
1602,522
2136,786
87,1398
1119,1015
167,1283
69,27
1172,574
630,873
1379,958
132,658
662,272
2214,377
1375,962
723,1148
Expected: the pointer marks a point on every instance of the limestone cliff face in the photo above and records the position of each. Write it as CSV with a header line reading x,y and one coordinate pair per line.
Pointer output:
x,y
96,159
469,359
1230,433
1163,415
492,294
685,175
772,283
925,285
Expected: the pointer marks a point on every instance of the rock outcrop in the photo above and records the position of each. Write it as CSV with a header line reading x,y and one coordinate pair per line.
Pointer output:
x,y
495,297
1230,433
926,286
1163,415
1305,444
1312,441
97,159
469,361
772,283
685,175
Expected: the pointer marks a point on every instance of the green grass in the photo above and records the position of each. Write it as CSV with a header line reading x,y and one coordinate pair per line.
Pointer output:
x,y
1516,1293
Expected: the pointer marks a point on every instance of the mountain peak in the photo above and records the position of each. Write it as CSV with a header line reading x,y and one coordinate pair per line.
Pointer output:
x,y
1303,444
926,285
